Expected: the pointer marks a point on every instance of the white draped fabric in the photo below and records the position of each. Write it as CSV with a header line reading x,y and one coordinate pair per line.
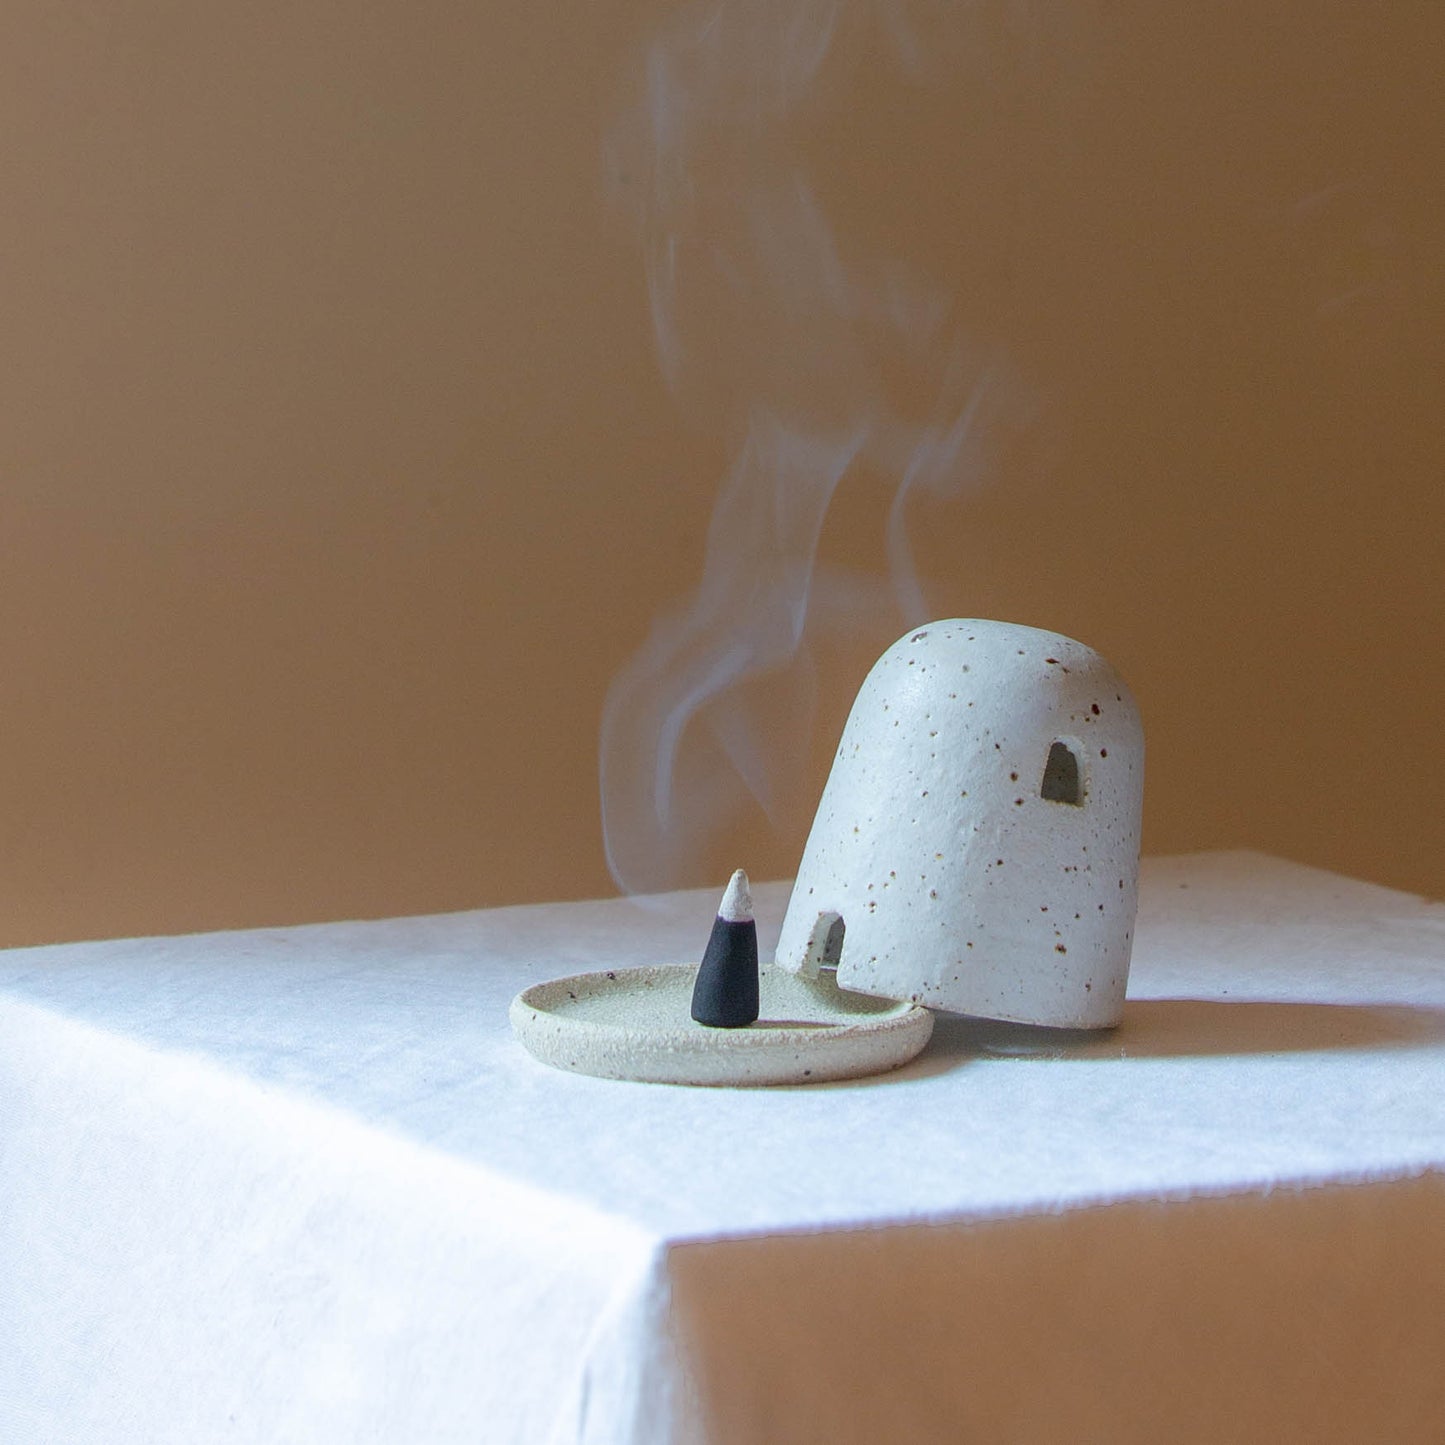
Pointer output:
x,y
302,1185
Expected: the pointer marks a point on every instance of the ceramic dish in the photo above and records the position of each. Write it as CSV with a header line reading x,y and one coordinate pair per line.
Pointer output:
x,y
634,1023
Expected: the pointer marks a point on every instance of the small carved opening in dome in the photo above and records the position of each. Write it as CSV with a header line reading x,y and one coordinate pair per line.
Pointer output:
x,y
826,942
1062,783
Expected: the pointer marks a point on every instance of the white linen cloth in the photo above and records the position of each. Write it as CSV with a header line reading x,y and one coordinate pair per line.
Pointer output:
x,y
302,1184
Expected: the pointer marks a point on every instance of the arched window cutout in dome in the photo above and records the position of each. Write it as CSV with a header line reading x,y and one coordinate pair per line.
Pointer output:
x,y
1062,781
825,943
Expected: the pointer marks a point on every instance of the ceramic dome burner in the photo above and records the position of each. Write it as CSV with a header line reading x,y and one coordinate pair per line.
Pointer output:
x,y
976,850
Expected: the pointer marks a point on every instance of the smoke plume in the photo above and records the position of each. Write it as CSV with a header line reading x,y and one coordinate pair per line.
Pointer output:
x,y
823,366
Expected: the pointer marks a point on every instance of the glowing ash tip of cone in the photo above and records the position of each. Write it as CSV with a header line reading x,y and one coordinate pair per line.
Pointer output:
x,y
737,901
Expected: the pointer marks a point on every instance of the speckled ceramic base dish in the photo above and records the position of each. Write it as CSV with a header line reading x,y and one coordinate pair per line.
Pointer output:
x,y
633,1023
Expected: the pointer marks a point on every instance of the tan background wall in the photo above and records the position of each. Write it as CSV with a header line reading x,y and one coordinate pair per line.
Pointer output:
x,y
337,478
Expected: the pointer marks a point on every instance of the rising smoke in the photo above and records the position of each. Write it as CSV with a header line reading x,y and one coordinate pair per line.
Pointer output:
x,y
770,326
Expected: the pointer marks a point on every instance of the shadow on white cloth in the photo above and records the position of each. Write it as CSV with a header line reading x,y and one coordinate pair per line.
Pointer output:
x,y
1178,1028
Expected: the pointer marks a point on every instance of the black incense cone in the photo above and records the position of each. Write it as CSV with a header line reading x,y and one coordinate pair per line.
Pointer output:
x,y
725,995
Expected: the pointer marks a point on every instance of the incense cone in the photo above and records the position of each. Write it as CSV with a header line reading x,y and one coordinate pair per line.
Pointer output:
x,y
725,995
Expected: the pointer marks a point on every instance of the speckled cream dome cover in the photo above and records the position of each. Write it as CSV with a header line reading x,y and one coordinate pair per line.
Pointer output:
x,y
979,832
